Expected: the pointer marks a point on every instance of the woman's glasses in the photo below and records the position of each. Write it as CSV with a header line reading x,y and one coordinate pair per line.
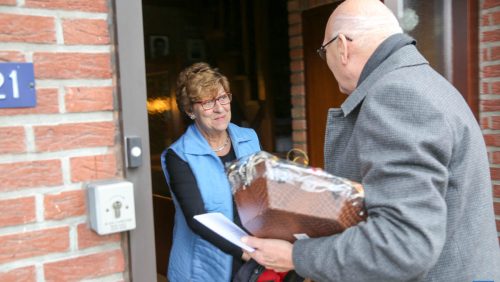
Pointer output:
x,y
223,99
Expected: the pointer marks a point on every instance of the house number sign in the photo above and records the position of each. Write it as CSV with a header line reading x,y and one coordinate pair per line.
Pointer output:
x,y
17,85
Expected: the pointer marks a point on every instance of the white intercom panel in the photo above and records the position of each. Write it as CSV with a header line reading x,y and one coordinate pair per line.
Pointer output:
x,y
111,206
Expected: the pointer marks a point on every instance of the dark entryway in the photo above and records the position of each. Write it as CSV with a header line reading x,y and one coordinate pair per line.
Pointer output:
x,y
248,42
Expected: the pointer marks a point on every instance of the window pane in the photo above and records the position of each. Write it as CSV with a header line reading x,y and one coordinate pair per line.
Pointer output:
x,y
429,22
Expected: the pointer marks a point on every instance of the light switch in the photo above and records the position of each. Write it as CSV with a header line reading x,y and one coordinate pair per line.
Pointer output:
x,y
111,206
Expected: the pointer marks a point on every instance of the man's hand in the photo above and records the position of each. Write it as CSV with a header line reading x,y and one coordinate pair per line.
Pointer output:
x,y
271,253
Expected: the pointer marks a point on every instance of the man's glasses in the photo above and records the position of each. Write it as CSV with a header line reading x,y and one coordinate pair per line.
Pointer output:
x,y
210,104
322,50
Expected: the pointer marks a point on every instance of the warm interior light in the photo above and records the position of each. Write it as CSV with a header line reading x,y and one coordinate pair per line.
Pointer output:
x,y
159,105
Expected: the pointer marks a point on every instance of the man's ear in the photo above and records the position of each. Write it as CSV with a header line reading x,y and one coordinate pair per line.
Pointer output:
x,y
343,49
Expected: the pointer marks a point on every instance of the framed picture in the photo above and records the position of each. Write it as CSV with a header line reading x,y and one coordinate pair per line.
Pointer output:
x,y
196,50
158,46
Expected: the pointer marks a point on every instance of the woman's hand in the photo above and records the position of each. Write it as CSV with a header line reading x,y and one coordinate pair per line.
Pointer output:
x,y
271,253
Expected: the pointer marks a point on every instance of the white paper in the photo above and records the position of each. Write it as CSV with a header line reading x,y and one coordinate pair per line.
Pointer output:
x,y
220,224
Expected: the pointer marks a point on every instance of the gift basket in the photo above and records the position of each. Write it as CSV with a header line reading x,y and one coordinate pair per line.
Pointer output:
x,y
280,199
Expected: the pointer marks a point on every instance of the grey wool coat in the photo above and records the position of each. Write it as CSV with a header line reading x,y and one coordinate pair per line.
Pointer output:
x,y
409,137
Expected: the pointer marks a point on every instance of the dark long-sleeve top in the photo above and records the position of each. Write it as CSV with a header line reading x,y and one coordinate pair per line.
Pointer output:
x,y
183,185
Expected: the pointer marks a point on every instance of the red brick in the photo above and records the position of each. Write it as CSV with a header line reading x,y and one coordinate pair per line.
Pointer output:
x,y
299,136
297,78
491,71
17,211
296,66
35,243
85,267
495,53
495,17
8,3
485,123
295,29
88,99
491,36
495,157
298,101
492,139
490,105
80,5
485,88
495,87
299,124
24,28
85,31
47,102
294,18
495,122
12,56
495,173
296,54
301,113
30,174
485,19
293,5
490,4
496,191
88,238
64,205
74,135
93,168
295,41
23,274
298,90
76,65
12,140
485,54
300,145
496,207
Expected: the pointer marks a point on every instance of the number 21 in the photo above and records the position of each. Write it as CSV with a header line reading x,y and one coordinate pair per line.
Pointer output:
x,y
15,84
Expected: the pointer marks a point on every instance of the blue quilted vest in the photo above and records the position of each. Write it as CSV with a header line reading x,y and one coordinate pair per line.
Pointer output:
x,y
191,257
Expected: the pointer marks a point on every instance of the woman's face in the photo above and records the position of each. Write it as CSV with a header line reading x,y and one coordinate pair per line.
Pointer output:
x,y
215,120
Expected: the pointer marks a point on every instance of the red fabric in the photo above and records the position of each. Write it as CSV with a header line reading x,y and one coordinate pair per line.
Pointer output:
x,y
271,276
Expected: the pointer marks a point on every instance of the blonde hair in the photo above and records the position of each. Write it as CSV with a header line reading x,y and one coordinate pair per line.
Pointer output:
x,y
198,82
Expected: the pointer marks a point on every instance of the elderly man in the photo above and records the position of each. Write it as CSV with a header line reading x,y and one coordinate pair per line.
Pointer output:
x,y
407,135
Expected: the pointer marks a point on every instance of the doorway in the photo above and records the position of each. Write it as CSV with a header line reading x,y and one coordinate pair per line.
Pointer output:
x,y
248,42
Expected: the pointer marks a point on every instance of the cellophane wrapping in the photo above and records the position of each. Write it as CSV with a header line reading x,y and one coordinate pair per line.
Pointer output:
x,y
280,199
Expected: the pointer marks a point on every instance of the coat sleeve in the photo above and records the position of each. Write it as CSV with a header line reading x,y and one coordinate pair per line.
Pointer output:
x,y
404,145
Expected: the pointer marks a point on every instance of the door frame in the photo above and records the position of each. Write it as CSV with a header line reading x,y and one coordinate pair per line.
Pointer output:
x,y
131,87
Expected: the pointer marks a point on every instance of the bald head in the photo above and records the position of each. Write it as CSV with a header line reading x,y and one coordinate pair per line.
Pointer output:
x,y
361,26
369,22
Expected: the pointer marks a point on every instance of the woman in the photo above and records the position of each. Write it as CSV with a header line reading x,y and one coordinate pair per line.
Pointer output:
x,y
195,174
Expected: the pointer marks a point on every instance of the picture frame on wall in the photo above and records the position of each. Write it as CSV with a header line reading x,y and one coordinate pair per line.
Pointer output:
x,y
196,50
158,46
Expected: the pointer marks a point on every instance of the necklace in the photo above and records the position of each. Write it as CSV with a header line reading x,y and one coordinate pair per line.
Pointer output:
x,y
218,149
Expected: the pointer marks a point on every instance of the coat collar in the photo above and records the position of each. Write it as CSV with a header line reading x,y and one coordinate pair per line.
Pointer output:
x,y
404,57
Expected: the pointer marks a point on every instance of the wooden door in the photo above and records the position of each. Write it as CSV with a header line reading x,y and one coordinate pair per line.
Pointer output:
x,y
322,91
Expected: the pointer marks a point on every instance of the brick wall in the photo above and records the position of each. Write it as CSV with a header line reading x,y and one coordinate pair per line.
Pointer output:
x,y
489,99
489,75
298,101
49,153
